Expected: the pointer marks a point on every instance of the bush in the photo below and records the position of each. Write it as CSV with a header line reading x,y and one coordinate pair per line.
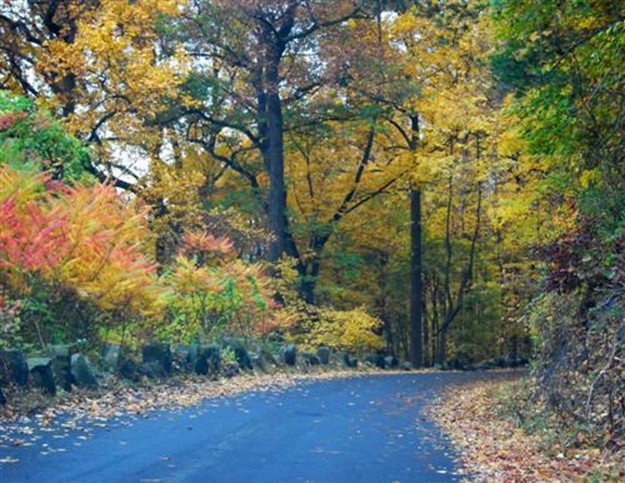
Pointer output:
x,y
32,139
354,331
66,248
579,364
210,292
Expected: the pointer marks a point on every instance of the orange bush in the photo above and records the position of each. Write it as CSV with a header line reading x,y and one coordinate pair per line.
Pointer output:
x,y
82,237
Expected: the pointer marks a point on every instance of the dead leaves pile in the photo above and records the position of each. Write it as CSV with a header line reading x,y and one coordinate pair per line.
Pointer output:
x,y
494,448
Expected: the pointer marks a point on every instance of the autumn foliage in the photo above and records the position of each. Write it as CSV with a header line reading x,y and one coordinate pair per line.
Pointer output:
x,y
210,292
82,250
92,241
85,238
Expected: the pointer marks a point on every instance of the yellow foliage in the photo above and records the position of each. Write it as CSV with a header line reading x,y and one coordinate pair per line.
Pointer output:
x,y
109,259
123,75
349,330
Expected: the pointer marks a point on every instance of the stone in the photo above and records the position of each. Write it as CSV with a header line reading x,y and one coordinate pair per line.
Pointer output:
x,y
484,366
240,352
208,360
180,357
406,366
514,361
376,360
41,374
61,366
262,358
289,354
349,361
455,364
267,359
390,362
323,352
500,362
111,357
192,356
60,350
129,369
231,370
257,363
13,367
82,373
310,359
160,353
151,370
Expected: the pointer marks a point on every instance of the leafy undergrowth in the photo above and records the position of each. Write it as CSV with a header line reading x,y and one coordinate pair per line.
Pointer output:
x,y
482,424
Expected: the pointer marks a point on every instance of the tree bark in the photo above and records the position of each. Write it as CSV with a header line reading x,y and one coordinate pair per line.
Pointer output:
x,y
426,330
435,312
271,131
277,192
309,279
416,280
442,347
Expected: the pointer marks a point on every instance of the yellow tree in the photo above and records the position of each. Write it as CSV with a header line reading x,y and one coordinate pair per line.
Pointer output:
x,y
101,64
449,44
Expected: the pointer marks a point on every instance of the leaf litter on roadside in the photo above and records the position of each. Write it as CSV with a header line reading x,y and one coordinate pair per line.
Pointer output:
x,y
495,449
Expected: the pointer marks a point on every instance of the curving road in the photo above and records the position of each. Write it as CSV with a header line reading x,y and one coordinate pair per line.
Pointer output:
x,y
362,429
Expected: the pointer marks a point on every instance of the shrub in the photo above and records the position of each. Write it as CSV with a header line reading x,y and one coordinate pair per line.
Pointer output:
x,y
210,292
354,331
62,245
31,138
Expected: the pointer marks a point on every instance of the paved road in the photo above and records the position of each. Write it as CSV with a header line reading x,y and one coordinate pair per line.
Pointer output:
x,y
364,429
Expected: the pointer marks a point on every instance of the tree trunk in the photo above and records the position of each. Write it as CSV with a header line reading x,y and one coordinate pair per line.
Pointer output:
x,y
416,280
442,347
382,306
309,279
433,337
274,158
426,331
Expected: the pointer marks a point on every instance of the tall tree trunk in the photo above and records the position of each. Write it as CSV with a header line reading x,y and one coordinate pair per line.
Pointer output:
x,y
448,300
454,307
426,331
416,280
274,159
381,304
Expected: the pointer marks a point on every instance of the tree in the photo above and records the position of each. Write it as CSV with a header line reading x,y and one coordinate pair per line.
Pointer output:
x,y
416,279
251,81
569,73
101,65
563,60
255,101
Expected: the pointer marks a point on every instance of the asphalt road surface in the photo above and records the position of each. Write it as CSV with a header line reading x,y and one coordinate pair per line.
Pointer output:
x,y
360,429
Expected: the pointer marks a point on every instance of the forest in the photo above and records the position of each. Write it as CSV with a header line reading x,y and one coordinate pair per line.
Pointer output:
x,y
438,183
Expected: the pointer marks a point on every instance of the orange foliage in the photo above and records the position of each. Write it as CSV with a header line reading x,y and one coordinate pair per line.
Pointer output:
x,y
85,238
92,241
